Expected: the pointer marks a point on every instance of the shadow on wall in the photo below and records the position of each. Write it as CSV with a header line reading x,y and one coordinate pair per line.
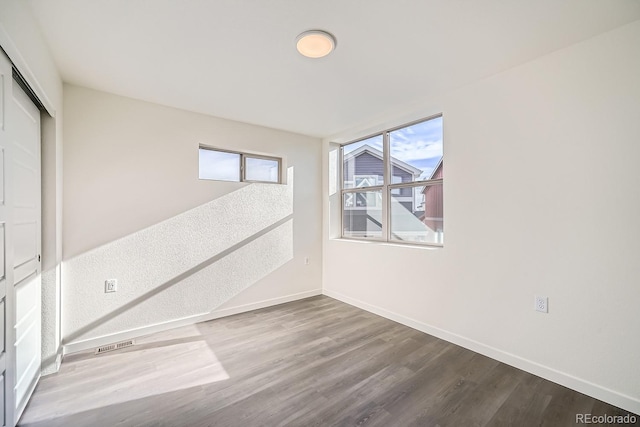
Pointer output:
x,y
183,267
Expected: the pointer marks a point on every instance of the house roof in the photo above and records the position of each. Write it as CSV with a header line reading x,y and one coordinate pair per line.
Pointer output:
x,y
433,174
435,170
377,153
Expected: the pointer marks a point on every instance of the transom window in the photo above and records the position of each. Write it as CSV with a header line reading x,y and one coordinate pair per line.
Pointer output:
x,y
392,185
222,165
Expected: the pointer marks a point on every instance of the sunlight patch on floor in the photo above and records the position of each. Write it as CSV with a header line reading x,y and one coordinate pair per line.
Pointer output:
x,y
166,369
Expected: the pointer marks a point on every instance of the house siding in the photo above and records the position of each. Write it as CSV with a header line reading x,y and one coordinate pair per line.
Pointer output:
x,y
433,203
364,164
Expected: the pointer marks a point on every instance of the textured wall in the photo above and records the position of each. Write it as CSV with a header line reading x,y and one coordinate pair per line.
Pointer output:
x,y
187,265
51,244
540,198
136,211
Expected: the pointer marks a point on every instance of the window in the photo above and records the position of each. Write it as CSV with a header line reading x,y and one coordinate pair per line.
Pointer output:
x,y
392,185
261,169
223,165
219,165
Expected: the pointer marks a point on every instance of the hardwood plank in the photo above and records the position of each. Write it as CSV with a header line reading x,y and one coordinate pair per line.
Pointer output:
x,y
313,362
526,405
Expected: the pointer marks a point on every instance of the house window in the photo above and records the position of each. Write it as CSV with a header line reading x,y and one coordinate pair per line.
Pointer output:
x,y
392,185
222,165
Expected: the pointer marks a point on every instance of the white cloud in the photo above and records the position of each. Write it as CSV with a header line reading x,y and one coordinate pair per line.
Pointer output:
x,y
409,151
421,141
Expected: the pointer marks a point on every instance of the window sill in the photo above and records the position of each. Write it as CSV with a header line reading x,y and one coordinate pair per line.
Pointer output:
x,y
385,243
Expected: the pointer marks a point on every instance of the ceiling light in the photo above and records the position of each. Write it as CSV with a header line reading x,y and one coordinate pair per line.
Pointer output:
x,y
315,43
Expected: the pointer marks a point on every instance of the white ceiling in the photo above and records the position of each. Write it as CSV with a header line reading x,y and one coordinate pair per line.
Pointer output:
x,y
236,58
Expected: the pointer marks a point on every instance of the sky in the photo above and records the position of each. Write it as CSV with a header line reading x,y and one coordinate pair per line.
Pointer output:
x,y
219,165
224,166
419,145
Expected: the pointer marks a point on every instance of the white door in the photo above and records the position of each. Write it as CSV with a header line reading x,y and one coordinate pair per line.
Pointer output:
x,y
20,222
25,178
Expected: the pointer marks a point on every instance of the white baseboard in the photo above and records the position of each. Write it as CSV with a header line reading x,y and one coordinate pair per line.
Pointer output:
x,y
216,314
54,366
612,397
81,345
58,359
76,346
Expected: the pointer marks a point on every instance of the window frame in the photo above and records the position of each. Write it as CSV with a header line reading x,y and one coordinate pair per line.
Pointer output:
x,y
387,187
243,165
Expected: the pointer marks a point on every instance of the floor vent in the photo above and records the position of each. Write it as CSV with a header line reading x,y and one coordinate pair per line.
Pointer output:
x,y
114,346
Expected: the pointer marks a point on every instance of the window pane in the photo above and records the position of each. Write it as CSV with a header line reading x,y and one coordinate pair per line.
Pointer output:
x,y
362,163
261,170
416,214
219,165
362,214
416,151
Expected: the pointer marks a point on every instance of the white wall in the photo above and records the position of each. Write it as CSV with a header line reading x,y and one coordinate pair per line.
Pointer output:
x,y
541,198
23,43
181,248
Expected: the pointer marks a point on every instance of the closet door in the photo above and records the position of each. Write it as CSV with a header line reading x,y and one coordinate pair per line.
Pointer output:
x,y
25,180
20,234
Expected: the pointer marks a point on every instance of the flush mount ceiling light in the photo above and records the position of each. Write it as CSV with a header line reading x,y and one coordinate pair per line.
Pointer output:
x,y
315,43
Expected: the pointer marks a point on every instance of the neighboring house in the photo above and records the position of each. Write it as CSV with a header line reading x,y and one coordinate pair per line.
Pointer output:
x,y
363,167
433,209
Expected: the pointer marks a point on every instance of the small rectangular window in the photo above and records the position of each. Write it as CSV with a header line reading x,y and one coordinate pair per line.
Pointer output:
x,y
222,165
219,165
261,169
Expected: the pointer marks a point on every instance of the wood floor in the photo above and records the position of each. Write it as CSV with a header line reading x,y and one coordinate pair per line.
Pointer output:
x,y
314,362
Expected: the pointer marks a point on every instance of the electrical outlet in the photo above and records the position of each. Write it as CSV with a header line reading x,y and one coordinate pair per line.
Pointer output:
x,y
306,261
542,304
110,285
